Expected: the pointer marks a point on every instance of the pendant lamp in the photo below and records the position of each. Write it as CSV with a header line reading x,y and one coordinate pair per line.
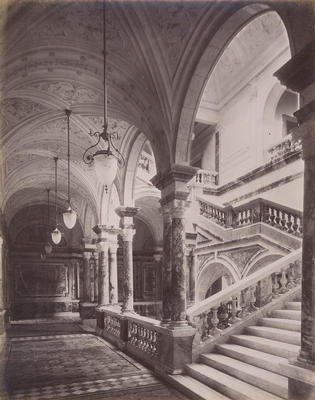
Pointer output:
x,y
69,216
106,161
56,234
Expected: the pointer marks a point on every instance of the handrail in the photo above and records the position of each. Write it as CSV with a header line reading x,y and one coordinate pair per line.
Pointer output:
x,y
247,282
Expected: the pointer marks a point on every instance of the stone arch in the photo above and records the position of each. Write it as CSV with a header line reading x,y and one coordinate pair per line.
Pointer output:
x,y
212,270
206,64
260,263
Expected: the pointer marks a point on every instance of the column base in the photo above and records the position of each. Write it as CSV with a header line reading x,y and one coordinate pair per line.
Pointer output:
x,y
87,310
177,324
301,377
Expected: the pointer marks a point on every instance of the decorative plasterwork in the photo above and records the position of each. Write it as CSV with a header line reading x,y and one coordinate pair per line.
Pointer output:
x,y
72,93
173,25
14,110
241,257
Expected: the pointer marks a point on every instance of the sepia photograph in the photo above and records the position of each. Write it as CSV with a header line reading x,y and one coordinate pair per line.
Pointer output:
x,y
157,200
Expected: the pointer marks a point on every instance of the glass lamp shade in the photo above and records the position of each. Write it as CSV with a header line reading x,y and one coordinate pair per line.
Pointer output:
x,y
105,168
56,236
48,248
69,217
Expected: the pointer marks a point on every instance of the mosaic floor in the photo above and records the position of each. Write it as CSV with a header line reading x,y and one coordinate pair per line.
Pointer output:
x,y
60,361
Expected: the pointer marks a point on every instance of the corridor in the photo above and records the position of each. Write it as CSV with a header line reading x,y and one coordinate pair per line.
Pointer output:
x,y
60,360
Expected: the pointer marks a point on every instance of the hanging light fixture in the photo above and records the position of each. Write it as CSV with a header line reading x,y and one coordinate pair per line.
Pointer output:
x,y
69,216
48,246
105,161
56,234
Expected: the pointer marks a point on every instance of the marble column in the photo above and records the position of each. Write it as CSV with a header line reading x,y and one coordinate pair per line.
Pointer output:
x,y
127,232
307,353
103,273
86,277
167,266
77,279
178,311
95,276
103,270
92,268
113,272
298,75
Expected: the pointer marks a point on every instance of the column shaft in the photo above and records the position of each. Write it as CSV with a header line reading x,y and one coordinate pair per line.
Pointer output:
x,y
178,312
103,274
86,277
96,277
127,270
307,352
113,280
167,267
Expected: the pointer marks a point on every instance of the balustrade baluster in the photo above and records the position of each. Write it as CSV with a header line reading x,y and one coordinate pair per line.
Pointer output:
x,y
223,316
283,282
289,223
243,303
275,286
234,317
272,216
214,320
295,225
252,299
291,284
277,217
283,221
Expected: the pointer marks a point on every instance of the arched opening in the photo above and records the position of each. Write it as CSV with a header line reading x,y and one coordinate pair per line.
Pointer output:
x,y
232,103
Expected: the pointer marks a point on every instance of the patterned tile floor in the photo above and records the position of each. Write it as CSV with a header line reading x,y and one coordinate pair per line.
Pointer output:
x,y
60,361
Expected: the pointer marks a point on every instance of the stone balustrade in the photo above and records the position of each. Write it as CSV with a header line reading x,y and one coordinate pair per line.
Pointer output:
x,y
206,178
218,312
285,147
259,210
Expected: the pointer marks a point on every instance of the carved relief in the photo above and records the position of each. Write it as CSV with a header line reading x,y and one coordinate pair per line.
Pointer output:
x,y
14,110
242,256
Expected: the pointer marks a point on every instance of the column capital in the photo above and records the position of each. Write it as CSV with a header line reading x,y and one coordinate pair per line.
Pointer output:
x,y
125,211
173,182
102,245
299,71
99,229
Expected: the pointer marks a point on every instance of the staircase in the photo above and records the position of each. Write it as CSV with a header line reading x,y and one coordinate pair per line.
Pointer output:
x,y
249,367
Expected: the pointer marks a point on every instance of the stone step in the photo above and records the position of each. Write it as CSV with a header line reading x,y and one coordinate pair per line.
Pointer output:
x,y
288,324
260,359
194,389
227,384
280,349
281,335
256,376
287,314
293,305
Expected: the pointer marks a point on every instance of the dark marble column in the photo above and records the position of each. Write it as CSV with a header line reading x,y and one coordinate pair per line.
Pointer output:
x,y
96,276
307,353
127,232
167,266
86,277
103,272
113,279
178,311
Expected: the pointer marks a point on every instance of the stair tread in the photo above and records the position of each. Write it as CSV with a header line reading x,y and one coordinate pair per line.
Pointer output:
x,y
248,369
252,352
295,314
274,330
269,342
198,388
232,384
282,321
293,305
